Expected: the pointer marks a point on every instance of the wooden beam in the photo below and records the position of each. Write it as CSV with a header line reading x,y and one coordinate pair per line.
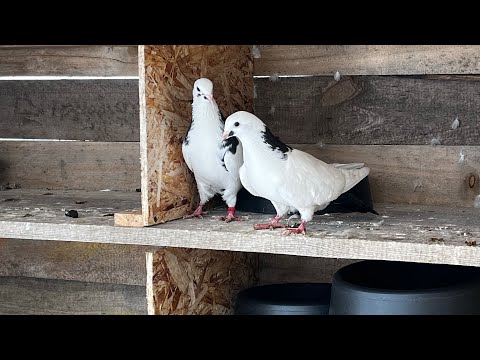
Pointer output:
x,y
372,110
401,232
426,175
95,110
167,74
278,269
70,165
368,59
198,282
64,260
68,61
30,296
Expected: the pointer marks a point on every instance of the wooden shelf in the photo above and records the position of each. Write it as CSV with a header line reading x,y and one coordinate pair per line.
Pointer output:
x,y
401,232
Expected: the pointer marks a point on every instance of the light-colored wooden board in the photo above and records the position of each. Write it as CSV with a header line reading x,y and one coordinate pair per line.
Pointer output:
x,y
62,260
30,296
68,61
279,269
400,232
167,74
368,59
129,218
199,282
70,165
429,175
50,205
372,110
95,110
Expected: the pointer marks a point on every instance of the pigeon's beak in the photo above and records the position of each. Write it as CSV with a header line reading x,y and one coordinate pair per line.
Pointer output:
x,y
226,135
210,98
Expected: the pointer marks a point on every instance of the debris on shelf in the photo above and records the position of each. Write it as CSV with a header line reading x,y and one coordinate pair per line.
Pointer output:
x,y
71,213
455,123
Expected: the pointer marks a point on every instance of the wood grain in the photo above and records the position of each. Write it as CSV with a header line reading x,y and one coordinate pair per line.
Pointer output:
x,y
368,59
62,260
68,61
426,175
70,165
30,296
371,110
96,110
400,232
167,74
280,269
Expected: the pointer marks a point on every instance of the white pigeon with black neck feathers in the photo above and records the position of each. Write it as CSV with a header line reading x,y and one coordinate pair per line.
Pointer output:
x,y
215,162
290,178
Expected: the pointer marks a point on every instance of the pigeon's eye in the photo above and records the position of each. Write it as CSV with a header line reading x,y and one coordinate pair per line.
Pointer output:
x,y
198,89
236,124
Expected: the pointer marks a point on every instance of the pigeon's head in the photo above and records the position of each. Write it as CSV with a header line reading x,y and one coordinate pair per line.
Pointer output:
x,y
242,123
203,90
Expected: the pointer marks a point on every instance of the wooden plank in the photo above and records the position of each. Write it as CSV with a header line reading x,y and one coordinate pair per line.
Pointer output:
x,y
68,61
368,59
48,297
280,269
129,218
401,232
90,262
199,282
70,165
428,175
167,74
96,110
40,206
372,110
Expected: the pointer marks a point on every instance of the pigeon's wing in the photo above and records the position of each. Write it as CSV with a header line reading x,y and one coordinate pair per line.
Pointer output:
x,y
309,181
349,166
246,184
186,155
233,155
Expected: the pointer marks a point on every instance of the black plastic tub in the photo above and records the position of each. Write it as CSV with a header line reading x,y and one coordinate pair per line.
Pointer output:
x,y
284,299
402,288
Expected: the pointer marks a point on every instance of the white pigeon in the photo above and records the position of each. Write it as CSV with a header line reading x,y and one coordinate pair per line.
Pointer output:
x,y
290,178
214,161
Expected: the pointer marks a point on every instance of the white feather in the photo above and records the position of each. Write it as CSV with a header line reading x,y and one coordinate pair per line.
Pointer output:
x,y
291,180
204,153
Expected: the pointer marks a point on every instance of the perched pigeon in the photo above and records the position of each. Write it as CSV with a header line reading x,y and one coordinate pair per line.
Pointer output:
x,y
291,179
214,162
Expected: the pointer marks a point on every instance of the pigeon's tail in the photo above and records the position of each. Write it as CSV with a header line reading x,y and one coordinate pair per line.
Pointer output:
x,y
354,173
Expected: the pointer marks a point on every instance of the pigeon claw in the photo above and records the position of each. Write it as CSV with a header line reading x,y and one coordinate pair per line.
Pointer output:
x,y
267,226
230,218
197,213
289,231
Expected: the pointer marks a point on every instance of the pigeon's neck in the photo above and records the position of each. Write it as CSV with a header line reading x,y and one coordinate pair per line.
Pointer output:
x,y
206,114
266,144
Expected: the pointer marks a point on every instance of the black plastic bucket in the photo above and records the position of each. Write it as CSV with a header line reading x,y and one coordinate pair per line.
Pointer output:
x,y
402,288
284,299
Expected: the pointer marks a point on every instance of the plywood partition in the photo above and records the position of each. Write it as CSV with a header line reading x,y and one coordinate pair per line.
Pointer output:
x,y
167,74
184,281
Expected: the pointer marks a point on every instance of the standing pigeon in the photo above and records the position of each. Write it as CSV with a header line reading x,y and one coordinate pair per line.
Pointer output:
x,y
214,162
291,179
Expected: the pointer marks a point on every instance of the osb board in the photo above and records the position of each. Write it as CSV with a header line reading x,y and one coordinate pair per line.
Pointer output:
x,y
368,59
167,74
424,175
279,269
66,260
30,296
70,165
372,110
68,61
200,282
95,110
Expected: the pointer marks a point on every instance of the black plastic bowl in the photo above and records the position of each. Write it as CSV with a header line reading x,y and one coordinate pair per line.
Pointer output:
x,y
402,288
284,299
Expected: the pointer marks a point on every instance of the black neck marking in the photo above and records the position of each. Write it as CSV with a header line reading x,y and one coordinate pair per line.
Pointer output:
x,y
275,143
